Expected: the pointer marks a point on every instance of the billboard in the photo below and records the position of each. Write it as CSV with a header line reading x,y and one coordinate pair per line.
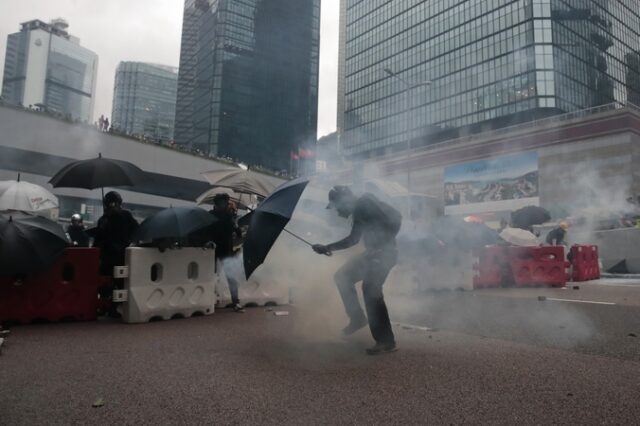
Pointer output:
x,y
494,180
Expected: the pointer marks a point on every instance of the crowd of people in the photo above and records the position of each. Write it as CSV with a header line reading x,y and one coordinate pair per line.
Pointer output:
x,y
115,231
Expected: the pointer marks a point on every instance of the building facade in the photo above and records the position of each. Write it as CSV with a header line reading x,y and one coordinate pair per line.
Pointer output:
x,y
418,72
248,79
45,67
144,100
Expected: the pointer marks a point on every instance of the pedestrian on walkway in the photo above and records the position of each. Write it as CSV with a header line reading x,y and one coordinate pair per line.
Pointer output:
x,y
377,224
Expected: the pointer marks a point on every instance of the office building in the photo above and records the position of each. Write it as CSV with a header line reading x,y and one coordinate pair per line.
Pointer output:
x,y
248,79
45,67
144,100
416,72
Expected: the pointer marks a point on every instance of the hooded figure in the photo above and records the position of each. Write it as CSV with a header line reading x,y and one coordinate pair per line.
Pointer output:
x,y
377,224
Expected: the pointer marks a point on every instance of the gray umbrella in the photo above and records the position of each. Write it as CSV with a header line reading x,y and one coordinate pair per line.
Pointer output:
x,y
242,181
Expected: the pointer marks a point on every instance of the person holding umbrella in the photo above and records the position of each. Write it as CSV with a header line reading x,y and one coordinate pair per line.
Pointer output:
x,y
222,233
113,235
377,224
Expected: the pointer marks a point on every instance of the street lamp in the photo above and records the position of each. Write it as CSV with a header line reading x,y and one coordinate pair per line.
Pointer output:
x,y
408,86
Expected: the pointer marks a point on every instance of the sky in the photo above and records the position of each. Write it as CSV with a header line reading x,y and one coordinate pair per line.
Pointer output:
x,y
149,31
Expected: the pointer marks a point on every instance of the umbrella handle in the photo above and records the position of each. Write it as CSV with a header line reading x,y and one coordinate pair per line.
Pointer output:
x,y
299,238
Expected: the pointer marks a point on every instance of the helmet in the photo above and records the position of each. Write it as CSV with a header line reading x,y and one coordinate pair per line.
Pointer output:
x,y
564,225
76,218
112,199
337,193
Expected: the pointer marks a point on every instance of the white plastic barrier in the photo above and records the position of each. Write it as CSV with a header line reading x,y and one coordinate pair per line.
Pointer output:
x,y
168,284
250,292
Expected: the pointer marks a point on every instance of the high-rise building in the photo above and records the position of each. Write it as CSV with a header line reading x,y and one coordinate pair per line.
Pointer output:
x,y
144,100
46,67
248,79
417,72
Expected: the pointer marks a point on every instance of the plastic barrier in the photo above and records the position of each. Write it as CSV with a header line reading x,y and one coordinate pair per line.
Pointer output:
x,y
67,291
169,284
492,265
539,266
585,263
252,292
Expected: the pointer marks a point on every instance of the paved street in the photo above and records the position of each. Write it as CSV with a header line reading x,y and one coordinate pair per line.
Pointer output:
x,y
490,357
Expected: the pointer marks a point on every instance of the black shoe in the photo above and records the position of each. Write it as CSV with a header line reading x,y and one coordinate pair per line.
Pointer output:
x,y
354,326
382,348
238,308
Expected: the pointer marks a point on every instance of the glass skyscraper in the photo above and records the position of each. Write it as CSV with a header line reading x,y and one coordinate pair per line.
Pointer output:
x,y
46,67
248,79
144,100
415,72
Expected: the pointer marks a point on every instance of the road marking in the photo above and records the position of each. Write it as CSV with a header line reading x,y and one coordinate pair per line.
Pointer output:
x,y
615,285
411,326
579,301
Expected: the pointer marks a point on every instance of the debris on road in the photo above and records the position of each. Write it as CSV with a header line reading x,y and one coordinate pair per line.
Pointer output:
x,y
542,298
576,287
632,335
5,333
281,313
98,403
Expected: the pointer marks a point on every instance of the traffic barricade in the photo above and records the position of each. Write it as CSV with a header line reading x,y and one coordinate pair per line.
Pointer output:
x,y
175,283
585,263
67,291
252,292
491,268
539,266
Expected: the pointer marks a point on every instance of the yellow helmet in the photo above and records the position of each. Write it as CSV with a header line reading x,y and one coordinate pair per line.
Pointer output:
x,y
564,225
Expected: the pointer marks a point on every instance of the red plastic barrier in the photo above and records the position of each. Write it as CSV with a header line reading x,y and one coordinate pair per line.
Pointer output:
x,y
584,259
67,291
539,266
490,269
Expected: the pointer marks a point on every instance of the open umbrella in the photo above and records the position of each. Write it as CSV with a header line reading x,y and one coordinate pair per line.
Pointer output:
x,y
528,216
175,223
243,201
519,237
20,195
269,220
98,173
242,181
28,243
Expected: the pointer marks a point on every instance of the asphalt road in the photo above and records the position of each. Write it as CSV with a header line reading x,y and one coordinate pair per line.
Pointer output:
x,y
491,357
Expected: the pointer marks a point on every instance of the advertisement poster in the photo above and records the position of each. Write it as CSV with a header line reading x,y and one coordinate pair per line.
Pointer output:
x,y
499,179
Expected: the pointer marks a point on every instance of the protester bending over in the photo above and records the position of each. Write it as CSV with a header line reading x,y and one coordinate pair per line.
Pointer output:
x,y
377,224
557,235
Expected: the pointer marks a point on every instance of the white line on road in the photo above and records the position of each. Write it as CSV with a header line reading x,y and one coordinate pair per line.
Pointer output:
x,y
579,301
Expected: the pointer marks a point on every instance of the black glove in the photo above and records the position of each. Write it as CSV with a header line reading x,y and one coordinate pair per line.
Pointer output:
x,y
321,249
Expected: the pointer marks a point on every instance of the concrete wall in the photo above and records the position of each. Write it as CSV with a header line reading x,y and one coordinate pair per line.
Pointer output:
x,y
40,145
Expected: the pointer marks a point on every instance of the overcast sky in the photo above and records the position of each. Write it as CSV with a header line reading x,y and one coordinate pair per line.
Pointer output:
x,y
149,31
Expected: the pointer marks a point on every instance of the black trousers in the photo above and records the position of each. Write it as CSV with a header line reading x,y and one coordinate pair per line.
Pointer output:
x,y
372,268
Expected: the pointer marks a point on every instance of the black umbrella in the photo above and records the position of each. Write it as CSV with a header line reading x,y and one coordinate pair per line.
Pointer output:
x,y
269,220
175,223
29,243
98,173
528,216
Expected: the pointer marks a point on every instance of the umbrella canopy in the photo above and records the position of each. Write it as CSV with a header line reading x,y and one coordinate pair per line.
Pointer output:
x,y
175,223
28,243
20,195
519,237
98,173
528,216
268,221
242,181
243,201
